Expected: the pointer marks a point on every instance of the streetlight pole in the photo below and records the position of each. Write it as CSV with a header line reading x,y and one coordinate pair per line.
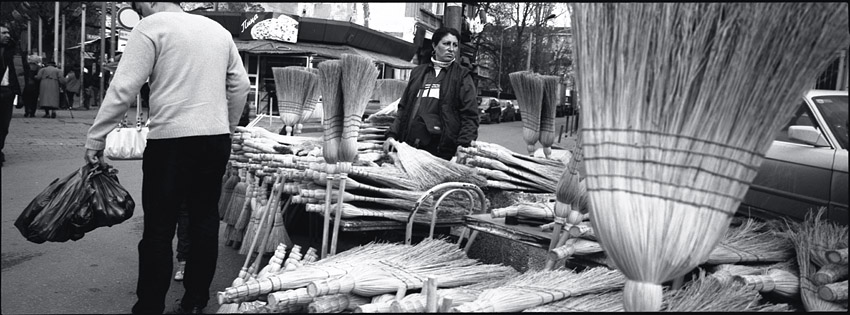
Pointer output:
x,y
531,39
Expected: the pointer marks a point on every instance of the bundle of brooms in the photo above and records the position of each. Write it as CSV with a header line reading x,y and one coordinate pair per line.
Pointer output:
x,y
528,88
293,88
430,170
812,238
314,92
534,288
498,163
358,77
663,183
329,81
550,101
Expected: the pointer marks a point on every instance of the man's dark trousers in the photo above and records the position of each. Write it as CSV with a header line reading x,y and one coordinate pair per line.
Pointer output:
x,y
175,170
7,97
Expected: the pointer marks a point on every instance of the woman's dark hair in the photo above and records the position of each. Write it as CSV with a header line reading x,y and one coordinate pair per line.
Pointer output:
x,y
442,32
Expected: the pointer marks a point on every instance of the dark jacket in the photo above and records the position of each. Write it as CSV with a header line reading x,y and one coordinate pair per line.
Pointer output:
x,y
9,62
458,107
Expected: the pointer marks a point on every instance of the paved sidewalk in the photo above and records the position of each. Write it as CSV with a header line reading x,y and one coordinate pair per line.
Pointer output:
x,y
46,139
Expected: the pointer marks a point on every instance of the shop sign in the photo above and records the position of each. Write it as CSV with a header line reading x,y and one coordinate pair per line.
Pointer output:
x,y
262,25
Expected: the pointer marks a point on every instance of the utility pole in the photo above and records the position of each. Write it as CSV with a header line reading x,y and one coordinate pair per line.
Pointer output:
x,y
102,52
83,57
56,32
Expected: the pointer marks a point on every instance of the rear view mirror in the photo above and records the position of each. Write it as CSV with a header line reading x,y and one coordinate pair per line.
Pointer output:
x,y
807,134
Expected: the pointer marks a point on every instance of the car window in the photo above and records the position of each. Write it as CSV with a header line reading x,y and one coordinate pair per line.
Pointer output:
x,y
802,117
834,111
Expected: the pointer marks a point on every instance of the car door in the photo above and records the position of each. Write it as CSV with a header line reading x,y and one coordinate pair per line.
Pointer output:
x,y
795,177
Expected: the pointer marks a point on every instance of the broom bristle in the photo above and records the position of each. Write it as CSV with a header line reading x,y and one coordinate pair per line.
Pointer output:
x,y
358,81
654,75
430,170
705,294
330,81
390,90
293,88
529,94
237,202
810,237
551,98
778,281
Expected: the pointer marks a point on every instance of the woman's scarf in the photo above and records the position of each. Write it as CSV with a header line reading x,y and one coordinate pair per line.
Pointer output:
x,y
440,65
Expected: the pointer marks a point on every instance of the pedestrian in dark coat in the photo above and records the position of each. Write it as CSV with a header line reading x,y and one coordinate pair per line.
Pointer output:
x,y
30,97
438,110
51,79
9,85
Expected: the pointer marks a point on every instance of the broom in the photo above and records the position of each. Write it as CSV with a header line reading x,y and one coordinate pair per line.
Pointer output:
x,y
574,246
336,303
582,231
607,302
283,299
546,184
431,257
258,209
551,89
830,273
655,73
537,288
331,267
351,211
416,303
380,175
815,235
725,273
537,166
834,292
321,179
752,241
237,199
358,82
782,282
570,197
390,90
527,210
227,193
315,91
704,294
261,216
275,262
292,88
431,170
529,95
838,256
500,176
278,232
266,229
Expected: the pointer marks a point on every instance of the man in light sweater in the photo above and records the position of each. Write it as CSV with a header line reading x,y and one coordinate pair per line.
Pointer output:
x,y
198,88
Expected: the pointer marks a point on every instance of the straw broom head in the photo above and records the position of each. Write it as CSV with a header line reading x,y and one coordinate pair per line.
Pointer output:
x,y
597,303
705,294
358,81
551,89
529,94
391,90
813,236
430,170
293,88
655,74
778,281
752,241
329,82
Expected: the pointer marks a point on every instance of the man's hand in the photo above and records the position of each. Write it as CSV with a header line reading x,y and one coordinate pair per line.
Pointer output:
x,y
388,143
94,156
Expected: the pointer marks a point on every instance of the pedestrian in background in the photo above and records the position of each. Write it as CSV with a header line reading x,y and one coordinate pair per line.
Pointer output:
x,y
51,80
198,87
30,96
510,112
72,87
438,110
495,111
9,85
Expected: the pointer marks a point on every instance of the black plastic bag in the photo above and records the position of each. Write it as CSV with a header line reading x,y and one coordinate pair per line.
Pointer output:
x,y
110,203
69,207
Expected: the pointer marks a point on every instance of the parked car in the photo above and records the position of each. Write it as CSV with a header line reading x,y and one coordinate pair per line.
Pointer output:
x,y
806,165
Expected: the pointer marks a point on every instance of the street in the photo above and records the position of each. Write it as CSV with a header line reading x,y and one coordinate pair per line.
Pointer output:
x,y
97,274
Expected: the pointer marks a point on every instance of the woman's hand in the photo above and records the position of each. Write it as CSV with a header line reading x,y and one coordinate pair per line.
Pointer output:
x,y
390,142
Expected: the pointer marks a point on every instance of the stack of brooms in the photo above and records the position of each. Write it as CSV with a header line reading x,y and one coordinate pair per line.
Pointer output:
x,y
538,97
507,170
296,93
682,100
359,274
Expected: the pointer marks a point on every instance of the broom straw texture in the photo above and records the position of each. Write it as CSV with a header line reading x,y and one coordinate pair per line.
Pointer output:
x,y
705,294
778,281
381,175
551,90
833,291
752,241
500,176
830,273
510,186
838,256
529,94
227,194
812,236
546,184
351,211
293,88
358,82
598,303
329,81
321,179
336,303
494,150
537,288
349,197
654,74
237,200
391,90
431,170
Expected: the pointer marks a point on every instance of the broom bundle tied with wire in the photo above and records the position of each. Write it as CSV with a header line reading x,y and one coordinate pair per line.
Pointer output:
x,y
654,75
532,289
358,81
781,282
430,170
293,89
551,99
529,94
331,86
752,241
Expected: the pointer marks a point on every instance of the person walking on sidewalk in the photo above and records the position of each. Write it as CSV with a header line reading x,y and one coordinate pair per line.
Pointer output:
x,y
9,85
30,96
49,89
72,87
198,87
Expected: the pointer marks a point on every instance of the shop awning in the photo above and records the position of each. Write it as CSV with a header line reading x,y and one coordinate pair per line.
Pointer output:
x,y
270,47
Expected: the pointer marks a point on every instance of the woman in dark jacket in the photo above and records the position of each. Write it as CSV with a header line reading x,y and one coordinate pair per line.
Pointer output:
x,y
438,111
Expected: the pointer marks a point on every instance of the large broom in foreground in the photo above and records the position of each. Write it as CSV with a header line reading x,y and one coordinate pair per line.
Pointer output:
x,y
687,98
